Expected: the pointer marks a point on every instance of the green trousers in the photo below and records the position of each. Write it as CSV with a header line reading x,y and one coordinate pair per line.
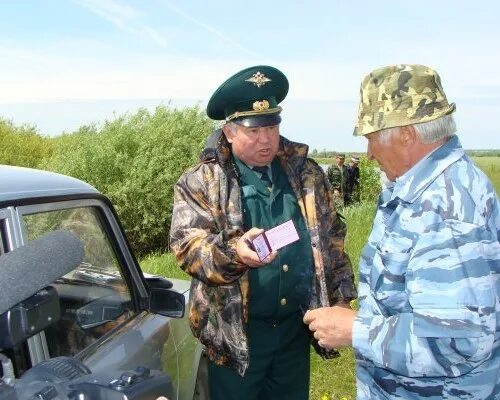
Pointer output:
x,y
279,364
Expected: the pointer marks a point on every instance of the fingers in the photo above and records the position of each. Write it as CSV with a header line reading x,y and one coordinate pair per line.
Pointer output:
x,y
323,343
313,319
252,233
270,257
308,317
331,326
247,254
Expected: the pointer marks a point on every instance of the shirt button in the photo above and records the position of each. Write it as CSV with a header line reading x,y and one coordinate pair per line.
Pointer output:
x,y
285,267
283,301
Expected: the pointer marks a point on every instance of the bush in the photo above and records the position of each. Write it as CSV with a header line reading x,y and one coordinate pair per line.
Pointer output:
x,y
135,160
22,145
369,180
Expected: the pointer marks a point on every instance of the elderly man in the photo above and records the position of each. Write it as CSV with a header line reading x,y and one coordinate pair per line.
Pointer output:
x,y
428,324
247,311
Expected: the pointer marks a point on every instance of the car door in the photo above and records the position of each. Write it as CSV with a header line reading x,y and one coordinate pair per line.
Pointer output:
x,y
103,319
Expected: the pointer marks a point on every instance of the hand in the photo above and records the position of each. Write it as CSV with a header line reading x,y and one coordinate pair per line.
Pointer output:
x,y
247,255
332,326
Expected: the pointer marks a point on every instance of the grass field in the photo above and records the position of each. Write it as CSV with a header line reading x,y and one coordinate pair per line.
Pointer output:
x,y
330,379
491,167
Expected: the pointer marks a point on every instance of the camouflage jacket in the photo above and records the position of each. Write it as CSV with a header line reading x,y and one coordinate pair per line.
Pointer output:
x,y
429,317
207,222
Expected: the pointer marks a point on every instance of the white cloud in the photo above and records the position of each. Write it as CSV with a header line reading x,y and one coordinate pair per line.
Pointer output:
x,y
210,29
123,17
30,75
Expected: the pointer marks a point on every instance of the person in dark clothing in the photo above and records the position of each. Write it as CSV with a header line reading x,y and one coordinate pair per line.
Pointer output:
x,y
337,176
352,182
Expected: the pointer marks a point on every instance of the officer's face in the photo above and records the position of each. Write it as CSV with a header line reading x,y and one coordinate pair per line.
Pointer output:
x,y
392,156
254,146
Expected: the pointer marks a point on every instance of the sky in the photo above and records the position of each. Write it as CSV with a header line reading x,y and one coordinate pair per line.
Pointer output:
x,y
68,63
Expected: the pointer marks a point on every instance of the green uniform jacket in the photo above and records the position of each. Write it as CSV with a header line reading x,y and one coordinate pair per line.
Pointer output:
x,y
207,222
337,175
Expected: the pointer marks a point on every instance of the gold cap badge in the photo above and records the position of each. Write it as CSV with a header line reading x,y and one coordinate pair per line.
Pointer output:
x,y
258,79
260,105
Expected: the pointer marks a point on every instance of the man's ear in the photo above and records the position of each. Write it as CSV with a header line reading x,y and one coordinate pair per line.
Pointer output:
x,y
228,132
408,135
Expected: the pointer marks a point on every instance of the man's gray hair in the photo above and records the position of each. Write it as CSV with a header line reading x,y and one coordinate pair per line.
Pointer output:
x,y
428,132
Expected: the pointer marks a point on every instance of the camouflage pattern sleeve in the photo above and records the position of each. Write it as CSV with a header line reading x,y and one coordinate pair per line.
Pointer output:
x,y
438,337
203,245
428,324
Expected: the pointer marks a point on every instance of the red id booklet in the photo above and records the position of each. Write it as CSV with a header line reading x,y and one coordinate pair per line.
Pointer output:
x,y
274,239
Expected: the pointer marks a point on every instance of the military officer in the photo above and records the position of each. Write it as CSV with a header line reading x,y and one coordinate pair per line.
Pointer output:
x,y
248,311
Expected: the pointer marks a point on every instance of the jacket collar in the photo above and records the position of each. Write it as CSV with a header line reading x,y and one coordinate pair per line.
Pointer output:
x,y
410,186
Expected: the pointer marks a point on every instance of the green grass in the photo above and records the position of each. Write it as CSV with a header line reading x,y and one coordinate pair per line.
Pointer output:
x,y
334,379
162,264
324,160
491,167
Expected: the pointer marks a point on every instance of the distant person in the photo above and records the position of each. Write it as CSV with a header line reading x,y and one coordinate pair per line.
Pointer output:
x,y
428,325
337,176
247,311
352,181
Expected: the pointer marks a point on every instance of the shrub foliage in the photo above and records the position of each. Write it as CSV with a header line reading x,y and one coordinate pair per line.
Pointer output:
x,y
369,178
22,146
135,160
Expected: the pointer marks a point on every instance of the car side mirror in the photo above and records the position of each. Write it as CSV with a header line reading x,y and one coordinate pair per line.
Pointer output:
x,y
167,302
99,312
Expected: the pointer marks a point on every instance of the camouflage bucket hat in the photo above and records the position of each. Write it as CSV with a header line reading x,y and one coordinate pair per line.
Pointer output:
x,y
400,95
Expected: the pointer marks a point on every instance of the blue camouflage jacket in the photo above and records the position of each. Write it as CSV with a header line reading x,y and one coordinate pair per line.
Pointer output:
x,y
429,314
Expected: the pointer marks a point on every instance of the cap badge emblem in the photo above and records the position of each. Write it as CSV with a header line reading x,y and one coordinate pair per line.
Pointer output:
x,y
258,79
260,105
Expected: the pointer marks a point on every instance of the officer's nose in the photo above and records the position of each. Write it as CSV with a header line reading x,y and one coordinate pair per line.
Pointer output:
x,y
264,134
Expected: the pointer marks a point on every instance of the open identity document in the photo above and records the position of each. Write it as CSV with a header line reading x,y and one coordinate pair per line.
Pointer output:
x,y
274,239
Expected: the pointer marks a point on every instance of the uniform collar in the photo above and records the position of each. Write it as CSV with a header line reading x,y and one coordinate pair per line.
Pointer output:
x,y
244,166
410,186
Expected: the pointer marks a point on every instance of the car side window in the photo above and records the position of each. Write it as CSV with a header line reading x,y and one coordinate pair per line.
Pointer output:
x,y
94,297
